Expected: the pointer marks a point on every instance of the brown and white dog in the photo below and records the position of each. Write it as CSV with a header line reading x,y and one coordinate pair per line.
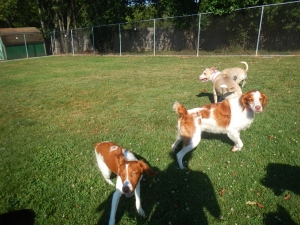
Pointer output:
x,y
237,74
228,117
113,158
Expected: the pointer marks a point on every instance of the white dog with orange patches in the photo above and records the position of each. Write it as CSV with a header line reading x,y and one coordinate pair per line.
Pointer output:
x,y
113,158
228,117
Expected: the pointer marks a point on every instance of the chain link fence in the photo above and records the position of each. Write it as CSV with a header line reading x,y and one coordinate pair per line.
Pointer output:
x,y
264,30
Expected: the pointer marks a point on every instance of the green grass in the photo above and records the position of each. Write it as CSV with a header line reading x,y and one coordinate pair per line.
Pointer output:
x,y
53,110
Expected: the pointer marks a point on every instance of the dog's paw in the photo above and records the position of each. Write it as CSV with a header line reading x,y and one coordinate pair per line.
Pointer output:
x,y
234,148
181,166
141,212
111,222
110,182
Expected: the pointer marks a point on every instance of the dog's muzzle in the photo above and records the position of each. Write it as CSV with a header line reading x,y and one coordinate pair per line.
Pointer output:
x,y
127,189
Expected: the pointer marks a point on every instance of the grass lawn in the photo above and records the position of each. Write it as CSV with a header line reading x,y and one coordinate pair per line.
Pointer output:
x,y
53,109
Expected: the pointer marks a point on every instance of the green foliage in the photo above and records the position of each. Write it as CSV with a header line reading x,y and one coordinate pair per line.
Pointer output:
x,y
223,7
104,12
176,7
53,109
18,13
141,12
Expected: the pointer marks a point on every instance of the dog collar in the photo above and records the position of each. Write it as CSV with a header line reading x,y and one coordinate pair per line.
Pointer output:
x,y
215,74
248,108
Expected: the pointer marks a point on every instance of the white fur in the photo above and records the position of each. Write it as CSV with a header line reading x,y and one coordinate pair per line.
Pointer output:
x,y
106,172
240,120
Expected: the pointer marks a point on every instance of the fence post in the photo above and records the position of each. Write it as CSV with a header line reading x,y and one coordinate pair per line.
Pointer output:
x,y
54,42
120,41
93,39
198,44
25,45
72,42
51,42
154,37
259,29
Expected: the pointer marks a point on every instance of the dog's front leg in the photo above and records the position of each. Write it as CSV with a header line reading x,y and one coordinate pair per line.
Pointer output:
x,y
115,201
243,83
137,193
215,96
235,137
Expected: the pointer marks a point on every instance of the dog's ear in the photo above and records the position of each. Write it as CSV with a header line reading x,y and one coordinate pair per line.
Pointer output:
x,y
264,99
146,168
244,100
213,69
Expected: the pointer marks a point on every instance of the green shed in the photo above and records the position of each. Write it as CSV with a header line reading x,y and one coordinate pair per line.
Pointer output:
x,y
26,42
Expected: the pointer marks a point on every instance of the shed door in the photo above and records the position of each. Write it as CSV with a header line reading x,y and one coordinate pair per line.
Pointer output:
x,y
36,50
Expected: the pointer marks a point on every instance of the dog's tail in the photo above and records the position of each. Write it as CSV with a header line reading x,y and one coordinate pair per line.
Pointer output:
x,y
246,64
179,109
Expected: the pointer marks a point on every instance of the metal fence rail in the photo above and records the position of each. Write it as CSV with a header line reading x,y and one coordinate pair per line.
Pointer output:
x,y
262,30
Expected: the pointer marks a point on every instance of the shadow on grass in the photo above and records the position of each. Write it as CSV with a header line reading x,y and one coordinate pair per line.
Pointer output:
x,y
173,196
281,178
210,96
18,217
280,217
212,136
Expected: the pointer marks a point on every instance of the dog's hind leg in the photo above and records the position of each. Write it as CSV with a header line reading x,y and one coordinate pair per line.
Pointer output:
x,y
187,148
175,144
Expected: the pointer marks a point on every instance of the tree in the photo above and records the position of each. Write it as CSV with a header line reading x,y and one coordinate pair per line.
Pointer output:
x,y
222,7
176,7
18,13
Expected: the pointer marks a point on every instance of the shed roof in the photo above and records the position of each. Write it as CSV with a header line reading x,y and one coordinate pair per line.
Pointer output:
x,y
15,36
19,30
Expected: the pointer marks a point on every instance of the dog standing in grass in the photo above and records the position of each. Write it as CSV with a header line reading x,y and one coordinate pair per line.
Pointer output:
x,y
225,83
230,117
113,158
237,74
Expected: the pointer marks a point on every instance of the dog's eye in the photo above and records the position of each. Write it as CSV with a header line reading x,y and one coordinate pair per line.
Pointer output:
x,y
122,175
133,174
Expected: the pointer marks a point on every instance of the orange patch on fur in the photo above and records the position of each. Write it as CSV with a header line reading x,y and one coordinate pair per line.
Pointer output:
x,y
187,125
109,157
187,122
205,113
222,113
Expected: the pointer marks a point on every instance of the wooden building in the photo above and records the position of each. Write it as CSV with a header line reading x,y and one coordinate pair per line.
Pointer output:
x,y
26,42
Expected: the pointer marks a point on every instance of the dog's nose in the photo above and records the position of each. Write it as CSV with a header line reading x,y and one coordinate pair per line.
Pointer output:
x,y
126,189
257,107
